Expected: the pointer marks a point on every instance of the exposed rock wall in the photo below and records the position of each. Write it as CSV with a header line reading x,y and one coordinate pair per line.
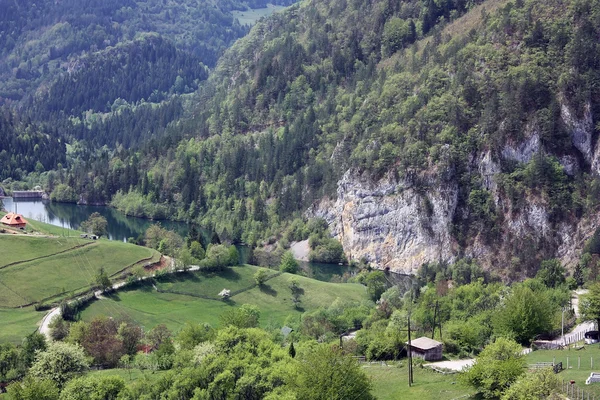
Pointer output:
x,y
395,223
392,224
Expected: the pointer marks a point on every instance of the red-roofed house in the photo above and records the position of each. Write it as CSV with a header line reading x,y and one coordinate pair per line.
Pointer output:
x,y
14,220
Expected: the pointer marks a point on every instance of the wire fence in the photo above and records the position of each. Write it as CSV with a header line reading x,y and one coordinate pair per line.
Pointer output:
x,y
574,392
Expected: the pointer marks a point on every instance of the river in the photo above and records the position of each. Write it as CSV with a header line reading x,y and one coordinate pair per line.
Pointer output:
x,y
70,216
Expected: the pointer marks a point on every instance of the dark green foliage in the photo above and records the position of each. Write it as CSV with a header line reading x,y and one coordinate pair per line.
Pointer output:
x,y
192,335
318,380
25,146
150,67
525,313
551,273
592,246
498,366
288,263
326,250
246,316
96,224
376,284
292,350
34,389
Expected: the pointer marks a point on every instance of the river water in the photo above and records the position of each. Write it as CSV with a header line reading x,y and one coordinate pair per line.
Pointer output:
x,y
70,216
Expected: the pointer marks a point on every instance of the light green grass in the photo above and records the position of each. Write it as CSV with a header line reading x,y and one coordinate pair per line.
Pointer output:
x,y
392,383
18,323
578,374
53,277
150,308
250,17
128,375
21,247
234,279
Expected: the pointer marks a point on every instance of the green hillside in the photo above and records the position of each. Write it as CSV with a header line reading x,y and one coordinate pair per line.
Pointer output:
x,y
418,93
58,273
170,306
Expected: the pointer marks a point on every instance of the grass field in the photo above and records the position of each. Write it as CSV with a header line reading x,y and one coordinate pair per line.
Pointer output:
x,y
391,382
150,308
18,323
53,277
580,364
20,247
128,375
249,17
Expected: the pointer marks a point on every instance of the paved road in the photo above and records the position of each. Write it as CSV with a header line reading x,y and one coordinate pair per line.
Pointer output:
x,y
457,365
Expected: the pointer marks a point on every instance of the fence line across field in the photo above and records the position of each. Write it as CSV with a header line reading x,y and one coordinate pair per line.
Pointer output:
x,y
573,392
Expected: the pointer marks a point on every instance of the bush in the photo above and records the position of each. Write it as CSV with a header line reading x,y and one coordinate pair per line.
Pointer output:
x,y
288,263
328,251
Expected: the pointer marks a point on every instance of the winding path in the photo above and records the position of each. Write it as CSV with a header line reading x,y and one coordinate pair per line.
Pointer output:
x,y
45,323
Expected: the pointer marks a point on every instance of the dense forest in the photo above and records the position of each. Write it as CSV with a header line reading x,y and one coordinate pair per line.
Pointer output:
x,y
410,90
26,148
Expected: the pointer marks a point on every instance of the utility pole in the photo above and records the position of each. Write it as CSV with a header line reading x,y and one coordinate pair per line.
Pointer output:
x,y
410,370
434,318
562,329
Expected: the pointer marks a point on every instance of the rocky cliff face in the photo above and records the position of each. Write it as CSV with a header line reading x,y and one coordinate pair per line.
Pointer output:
x,y
391,223
397,224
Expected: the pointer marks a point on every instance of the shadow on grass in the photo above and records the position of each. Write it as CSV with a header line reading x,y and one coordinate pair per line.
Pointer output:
x,y
229,301
180,277
227,274
266,289
113,295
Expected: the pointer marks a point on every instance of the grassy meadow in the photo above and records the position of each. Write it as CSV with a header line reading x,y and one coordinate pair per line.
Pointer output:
x,y
16,248
47,269
18,323
581,364
391,382
60,274
149,308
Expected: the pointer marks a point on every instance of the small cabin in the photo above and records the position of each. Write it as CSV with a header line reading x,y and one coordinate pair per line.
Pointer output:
x,y
14,220
425,348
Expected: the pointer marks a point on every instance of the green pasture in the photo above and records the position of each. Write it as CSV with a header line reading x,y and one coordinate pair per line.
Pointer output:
x,y
55,276
234,279
17,323
580,364
149,308
15,248
391,382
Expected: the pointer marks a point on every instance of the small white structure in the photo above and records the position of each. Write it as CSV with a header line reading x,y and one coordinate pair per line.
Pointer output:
x,y
594,377
225,293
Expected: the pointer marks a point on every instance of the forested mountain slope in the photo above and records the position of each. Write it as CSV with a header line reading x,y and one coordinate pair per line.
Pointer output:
x,y
418,135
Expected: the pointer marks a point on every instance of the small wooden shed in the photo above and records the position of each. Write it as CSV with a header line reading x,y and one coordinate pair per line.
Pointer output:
x,y
427,349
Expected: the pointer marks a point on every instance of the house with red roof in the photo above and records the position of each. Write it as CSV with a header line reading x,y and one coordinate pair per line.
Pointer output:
x,y
14,220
